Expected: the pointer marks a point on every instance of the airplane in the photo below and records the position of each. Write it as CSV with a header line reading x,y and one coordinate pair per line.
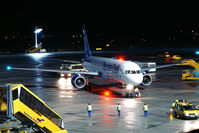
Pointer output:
x,y
111,69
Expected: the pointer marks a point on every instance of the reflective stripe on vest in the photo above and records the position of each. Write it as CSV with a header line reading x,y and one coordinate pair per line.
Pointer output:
x,y
119,107
173,104
145,108
136,90
89,108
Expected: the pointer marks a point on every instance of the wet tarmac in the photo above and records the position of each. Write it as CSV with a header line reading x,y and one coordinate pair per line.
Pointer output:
x,y
71,104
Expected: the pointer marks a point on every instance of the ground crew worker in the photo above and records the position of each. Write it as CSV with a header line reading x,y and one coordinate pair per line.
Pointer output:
x,y
89,109
119,108
137,92
145,108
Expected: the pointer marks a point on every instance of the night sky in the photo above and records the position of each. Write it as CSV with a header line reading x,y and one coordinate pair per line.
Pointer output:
x,y
127,23
100,16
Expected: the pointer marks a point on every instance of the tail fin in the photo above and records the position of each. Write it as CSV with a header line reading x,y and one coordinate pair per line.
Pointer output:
x,y
87,51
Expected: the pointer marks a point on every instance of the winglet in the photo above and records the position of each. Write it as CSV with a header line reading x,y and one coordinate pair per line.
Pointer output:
x,y
86,45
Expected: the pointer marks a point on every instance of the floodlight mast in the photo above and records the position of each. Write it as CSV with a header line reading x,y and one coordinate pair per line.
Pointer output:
x,y
37,30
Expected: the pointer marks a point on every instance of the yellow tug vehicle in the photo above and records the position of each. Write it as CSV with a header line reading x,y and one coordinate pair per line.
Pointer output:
x,y
185,110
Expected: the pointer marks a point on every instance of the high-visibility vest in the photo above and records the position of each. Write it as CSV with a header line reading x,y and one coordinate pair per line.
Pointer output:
x,y
119,107
173,104
136,90
89,108
145,108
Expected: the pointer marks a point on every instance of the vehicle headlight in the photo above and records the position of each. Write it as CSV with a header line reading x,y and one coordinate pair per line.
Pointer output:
x,y
186,114
196,114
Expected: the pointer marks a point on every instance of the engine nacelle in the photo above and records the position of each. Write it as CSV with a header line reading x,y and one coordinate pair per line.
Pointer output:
x,y
147,80
78,81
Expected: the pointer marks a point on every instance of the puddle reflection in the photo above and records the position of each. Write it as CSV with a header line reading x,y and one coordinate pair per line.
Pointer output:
x,y
190,125
146,123
65,84
39,79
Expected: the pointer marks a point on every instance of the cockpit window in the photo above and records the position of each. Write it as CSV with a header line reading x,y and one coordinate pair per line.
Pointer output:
x,y
138,71
133,72
128,72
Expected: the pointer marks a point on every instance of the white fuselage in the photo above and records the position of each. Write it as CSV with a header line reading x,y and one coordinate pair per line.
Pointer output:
x,y
123,71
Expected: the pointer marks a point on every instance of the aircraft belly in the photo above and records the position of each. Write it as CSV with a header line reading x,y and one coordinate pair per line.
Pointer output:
x,y
100,81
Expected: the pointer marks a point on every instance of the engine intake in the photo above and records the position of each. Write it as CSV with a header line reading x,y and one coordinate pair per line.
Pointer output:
x,y
147,80
78,81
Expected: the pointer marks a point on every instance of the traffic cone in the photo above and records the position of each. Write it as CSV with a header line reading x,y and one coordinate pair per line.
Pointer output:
x,y
139,95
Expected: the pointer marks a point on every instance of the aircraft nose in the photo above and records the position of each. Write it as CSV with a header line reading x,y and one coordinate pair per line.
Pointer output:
x,y
138,79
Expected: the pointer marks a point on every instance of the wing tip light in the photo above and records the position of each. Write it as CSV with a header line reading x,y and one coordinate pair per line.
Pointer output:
x,y
8,68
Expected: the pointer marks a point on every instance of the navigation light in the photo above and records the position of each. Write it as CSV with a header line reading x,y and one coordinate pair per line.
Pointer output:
x,y
120,59
8,68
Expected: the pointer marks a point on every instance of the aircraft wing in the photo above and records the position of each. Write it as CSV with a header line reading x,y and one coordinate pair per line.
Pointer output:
x,y
68,61
53,70
161,66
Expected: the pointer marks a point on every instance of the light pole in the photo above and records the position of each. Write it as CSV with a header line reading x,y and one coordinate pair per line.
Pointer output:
x,y
37,30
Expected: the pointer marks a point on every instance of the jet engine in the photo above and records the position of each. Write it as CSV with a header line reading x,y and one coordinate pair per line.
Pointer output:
x,y
147,80
78,81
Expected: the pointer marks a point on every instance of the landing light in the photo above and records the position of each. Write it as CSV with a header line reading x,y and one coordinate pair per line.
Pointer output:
x,y
8,67
129,87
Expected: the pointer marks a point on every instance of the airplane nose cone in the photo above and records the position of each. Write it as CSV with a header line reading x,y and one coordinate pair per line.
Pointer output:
x,y
138,79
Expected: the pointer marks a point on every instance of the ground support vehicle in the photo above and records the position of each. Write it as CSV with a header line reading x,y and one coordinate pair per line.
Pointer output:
x,y
190,74
17,101
185,110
